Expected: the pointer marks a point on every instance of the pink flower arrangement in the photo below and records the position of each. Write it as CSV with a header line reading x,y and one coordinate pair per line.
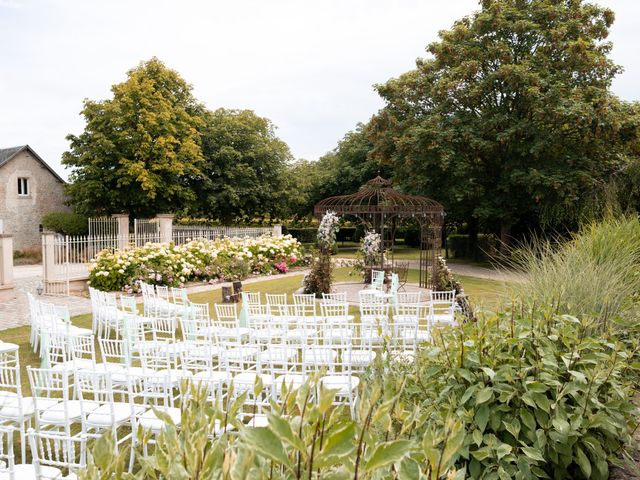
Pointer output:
x,y
282,267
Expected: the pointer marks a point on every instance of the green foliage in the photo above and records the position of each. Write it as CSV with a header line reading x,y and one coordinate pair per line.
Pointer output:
x,y
459,246
140,148
306,437
243,168
65,223
341,171
510,121
538,395
304,234
320,278
596,272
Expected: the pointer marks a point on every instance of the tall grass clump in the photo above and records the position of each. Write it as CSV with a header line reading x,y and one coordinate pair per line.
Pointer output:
x,y
595,273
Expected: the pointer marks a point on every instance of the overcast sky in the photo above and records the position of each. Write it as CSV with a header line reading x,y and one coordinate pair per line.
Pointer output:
x,y
309,66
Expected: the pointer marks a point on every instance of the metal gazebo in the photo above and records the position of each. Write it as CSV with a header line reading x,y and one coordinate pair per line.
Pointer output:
x,y
379,207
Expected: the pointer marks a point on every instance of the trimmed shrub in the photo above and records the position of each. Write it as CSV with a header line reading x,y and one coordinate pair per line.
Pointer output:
x,y
66,223
303,235
459,246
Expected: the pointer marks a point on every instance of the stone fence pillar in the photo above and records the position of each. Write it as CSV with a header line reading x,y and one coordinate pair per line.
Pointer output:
x,y
6,261
48,256
165,227
277,230
123,230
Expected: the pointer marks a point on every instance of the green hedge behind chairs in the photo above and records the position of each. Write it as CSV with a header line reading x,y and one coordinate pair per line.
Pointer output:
x,y
458,246
66,223
303,234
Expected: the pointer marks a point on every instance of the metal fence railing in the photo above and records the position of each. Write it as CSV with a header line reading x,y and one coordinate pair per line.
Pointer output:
x,y
184,233
66,258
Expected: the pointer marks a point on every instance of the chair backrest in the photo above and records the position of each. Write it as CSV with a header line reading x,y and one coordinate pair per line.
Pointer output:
x,y
179,296
336,312
442,302
251,298
9,372
304,304
377,279
47,384
53,449
370,297
334,297
275,299
7,458
409,297
226,312
128,304
162,292
115,350
442,296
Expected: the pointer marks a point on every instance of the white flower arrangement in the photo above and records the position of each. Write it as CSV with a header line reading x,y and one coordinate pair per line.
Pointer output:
x,y
329,226
371,247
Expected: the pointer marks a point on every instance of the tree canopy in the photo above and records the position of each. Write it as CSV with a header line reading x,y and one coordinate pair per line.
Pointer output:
x,y
243,168
140,150
153,148
511,118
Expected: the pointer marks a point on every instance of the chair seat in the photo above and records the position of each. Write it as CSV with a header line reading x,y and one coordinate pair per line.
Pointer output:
x,y
102,416
447,318
266,334
8,347
337,334
258,420
240,353
28,472
175,375
290,380
212,376
246,380
55,413
362,358
121,377
11,410
343,383
149,421
278,355
301,333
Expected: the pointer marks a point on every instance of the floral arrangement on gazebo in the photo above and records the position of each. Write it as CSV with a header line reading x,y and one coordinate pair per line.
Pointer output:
x,y
319,279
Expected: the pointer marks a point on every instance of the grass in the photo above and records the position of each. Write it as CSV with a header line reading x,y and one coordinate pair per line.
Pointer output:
x,y
487,293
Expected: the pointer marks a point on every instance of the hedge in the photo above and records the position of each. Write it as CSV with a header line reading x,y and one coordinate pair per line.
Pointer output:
x,y
458,246
66,223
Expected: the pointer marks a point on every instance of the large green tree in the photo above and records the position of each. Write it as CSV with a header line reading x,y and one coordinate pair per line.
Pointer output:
x,y
510,121
243,173
341,171
140,150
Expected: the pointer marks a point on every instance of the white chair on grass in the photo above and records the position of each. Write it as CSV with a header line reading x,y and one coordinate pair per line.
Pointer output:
x,y
53,452
442,307
9,470
15,409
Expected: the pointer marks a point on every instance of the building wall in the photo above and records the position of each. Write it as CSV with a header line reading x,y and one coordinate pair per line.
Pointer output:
x,y
22,215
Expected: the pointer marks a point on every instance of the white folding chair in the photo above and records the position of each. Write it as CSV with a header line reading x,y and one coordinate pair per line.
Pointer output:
x,y
8,468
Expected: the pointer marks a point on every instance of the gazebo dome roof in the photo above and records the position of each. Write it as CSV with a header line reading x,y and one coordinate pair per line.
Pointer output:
x,y
377,196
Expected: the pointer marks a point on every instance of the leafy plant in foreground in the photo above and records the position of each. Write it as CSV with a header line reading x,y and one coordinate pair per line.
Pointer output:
x,y
539,395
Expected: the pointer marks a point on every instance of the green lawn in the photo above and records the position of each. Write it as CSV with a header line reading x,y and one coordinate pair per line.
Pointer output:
x,y
487,293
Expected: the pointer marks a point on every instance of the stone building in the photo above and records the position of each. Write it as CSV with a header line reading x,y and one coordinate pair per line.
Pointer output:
x,y
29,188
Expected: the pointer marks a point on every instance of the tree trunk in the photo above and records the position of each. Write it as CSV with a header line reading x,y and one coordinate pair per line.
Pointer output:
x,y
473,238
505,237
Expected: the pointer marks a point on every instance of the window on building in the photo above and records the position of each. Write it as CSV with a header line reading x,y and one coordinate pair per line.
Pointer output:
x,y
23,186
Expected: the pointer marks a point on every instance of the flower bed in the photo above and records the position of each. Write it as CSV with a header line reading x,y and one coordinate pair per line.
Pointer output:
x,y
197,260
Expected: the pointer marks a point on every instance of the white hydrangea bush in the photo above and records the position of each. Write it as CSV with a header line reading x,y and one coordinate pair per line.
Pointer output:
x,y
200,259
